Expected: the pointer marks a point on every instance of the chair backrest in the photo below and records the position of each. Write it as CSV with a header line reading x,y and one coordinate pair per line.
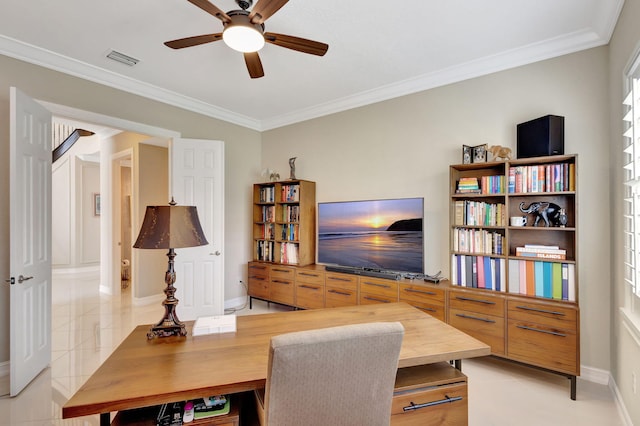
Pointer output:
x,y
333,376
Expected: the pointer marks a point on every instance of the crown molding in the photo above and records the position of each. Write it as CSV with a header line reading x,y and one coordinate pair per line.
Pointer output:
x,y
48,59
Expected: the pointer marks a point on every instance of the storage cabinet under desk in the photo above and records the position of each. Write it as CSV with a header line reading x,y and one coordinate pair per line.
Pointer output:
x,y
430,395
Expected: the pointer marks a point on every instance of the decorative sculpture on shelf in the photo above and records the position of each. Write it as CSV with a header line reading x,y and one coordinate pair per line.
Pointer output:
x,y
500,152
292,166
549,212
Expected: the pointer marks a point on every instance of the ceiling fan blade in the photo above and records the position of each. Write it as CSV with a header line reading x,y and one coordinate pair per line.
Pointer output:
x,y
210,8
193,41
264,9
254,65
297,43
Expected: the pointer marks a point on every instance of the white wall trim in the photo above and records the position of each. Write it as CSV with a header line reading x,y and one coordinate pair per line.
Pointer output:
x,y
236,303
83,270
595,375
622,409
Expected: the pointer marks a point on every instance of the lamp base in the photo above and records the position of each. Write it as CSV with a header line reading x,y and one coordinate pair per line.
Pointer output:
x,y
165,330
169,325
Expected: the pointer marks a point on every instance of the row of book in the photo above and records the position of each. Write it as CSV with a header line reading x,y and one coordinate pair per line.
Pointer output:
x,y
265,250
267,194
290,193
290,232
478,272
268,214
267,231
552,280
542,178
492,184
291,214
467,240
478,213
289,253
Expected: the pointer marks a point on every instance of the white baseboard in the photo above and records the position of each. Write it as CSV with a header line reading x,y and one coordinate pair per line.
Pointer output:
x,y
617,397
4,368
238,302
595,375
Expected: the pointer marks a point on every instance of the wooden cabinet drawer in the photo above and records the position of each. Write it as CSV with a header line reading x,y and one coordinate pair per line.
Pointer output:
x,y
549,314
430,395
258,285
309,295
282,291
544,346
474,302
310,277
369,298
380,287
486,328
338,280
258,269
336,297
436,311
422,293
283,272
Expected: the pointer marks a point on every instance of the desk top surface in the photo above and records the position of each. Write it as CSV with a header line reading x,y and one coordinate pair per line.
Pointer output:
x,y
142,372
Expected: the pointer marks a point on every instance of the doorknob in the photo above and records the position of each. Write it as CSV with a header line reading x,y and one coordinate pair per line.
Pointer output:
x,y
217,253
21,279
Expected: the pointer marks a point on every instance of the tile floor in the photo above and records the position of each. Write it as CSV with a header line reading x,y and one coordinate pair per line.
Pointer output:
x,y
87,326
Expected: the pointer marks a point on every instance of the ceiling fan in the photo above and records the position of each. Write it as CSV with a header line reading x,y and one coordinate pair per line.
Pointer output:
x,y
244,31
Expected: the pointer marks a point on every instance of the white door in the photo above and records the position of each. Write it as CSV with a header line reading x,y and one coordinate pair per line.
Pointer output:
x,y
30,222
197,179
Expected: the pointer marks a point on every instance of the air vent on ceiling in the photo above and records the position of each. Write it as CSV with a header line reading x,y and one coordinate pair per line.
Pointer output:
x,y
122,58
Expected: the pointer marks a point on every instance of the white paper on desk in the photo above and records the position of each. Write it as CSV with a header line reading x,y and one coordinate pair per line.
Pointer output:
x,y
214,324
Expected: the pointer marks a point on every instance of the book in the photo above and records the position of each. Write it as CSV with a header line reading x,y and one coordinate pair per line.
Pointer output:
x,y
481,273
214,324
556,285
547,279
202,410
538,277
530,278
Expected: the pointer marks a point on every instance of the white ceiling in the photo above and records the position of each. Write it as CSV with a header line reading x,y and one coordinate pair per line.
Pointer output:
x,y
377,49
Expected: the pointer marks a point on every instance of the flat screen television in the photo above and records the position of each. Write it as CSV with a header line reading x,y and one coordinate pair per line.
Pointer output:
x,y
379,234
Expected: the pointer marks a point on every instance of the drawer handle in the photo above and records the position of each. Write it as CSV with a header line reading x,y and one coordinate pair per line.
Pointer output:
x,y
339,279
544,311
339,292
475,318
280,282
376,284
257,278
309,287
282,270
410,290
469,299
262,268
426,309
554,333
447,400
374,299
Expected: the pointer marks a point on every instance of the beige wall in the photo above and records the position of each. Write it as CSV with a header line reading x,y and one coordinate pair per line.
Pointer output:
x,y
402,148
242,158
625,340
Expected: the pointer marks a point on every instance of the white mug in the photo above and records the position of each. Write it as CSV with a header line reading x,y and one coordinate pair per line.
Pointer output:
x,y
518,220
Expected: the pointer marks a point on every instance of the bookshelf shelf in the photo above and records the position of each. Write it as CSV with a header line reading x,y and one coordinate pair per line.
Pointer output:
x,y
534,272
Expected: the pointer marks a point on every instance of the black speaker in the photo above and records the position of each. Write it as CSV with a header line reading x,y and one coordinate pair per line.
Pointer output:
x,y
540,137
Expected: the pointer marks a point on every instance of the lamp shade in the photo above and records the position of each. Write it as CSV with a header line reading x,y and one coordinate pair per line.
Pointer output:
x,y
170,226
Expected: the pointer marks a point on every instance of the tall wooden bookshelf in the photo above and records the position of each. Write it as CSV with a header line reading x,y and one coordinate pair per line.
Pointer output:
x,y
284,222
516,287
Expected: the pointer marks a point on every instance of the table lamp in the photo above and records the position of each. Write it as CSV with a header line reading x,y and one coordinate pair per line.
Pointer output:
x,y
170,227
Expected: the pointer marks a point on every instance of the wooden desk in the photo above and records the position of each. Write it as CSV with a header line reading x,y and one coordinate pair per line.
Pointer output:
x,y
143,372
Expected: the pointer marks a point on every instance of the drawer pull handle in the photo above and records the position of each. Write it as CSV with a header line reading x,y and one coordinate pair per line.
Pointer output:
x,y
258,278
544,311
376,284
475,318
306,274
282,270
410,290
469,299
280,282
339,292
427,309
374,299
447,400
262,268
554,333
339,279
309,287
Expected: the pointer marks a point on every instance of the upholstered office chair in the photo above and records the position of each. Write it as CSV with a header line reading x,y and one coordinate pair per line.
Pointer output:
x,y
332,376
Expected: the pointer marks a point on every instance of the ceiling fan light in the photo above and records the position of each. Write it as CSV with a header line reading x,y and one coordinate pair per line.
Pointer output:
x,y
243,38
